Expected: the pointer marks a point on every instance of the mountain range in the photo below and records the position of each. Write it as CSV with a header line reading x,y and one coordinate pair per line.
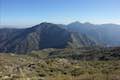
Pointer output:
x,y
49,35
105,34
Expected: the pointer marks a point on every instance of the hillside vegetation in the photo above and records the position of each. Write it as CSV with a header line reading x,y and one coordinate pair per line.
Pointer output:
x,y
47,65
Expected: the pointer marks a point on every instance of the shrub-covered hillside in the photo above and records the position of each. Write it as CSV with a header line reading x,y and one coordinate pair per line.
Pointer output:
x,y
28,67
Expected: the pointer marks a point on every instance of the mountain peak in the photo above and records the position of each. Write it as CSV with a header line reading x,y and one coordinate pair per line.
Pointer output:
x,y
76,22
43,25
87,23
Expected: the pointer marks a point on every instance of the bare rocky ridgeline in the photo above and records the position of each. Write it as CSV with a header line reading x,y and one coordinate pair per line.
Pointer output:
x,y
27,67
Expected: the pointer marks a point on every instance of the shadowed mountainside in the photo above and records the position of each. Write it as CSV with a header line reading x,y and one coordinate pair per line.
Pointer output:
x,y
44,35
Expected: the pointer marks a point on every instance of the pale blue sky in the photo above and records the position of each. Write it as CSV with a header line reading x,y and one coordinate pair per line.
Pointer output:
x,y
30,12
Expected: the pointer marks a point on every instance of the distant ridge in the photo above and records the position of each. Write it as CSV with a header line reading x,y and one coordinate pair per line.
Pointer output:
x,y
48,35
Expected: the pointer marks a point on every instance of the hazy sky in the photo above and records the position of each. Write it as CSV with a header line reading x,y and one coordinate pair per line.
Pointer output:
x,y
29,12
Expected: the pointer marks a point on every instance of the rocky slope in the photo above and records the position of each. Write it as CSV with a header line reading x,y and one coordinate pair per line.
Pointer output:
x,y
41,36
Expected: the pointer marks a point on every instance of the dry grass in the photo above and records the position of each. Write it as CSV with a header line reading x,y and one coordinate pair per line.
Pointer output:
x,y
24,67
